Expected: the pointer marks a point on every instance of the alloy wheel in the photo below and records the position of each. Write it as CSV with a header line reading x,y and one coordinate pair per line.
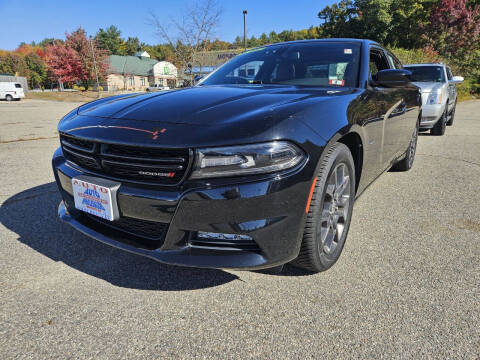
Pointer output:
x,y
335,208
413,147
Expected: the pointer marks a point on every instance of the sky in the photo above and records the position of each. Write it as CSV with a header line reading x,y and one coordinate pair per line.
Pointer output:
x,y
27,20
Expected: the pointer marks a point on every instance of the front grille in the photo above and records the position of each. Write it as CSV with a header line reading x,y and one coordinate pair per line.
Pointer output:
x,y
150,230
127,162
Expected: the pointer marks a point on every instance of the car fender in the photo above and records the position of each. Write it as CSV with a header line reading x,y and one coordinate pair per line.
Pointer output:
x,y
349,129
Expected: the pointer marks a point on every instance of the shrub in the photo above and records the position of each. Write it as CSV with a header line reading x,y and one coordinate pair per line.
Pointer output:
x,y
90,88
75,87
100,88
81,88
469,89
417,56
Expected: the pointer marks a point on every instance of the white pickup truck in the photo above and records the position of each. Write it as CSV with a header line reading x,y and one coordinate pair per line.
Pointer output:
x,y
11,91
439,95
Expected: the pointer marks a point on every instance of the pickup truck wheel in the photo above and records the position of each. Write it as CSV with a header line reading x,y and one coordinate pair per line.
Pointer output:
x,y
406,163
439,128
330,211
452,115
8,97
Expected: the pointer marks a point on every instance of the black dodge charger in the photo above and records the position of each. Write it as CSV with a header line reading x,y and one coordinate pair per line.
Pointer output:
x,y
257,165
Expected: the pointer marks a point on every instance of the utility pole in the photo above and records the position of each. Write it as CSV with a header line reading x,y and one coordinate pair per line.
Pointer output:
x,y
245,29
95,66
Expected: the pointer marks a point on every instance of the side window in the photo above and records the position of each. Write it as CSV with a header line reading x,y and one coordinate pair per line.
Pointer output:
x,y
449,74
378,62
391,61
397,63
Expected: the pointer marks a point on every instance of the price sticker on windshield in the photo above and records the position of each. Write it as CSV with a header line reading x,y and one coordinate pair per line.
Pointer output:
x,y
347,51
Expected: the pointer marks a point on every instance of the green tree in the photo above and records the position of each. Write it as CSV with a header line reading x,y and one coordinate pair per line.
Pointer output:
x,y
110,39
273,37
409,20
263,39
13,64
37,70
130,47
252,42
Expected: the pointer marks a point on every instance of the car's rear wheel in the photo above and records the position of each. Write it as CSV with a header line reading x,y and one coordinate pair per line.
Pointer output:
x,y
406,163
439,128
330,211
452,115
9,97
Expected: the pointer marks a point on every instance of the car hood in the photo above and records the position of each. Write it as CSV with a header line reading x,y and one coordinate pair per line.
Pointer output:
x,y
428,87
204,105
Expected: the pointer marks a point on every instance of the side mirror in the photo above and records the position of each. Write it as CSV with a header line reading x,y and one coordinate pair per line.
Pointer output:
x,y
456,80
393,78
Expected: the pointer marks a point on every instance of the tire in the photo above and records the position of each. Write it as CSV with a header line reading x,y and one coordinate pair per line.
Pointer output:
x,y
406,163
8,97
439,128
452,115
330,207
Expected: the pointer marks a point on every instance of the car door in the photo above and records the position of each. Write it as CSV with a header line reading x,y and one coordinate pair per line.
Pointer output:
x,y
394,109
403,119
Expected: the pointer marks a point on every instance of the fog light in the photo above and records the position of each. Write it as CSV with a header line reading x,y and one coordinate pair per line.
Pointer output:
x,y
221,236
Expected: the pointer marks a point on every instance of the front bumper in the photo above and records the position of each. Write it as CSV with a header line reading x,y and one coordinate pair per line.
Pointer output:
x,y
270,210
430,115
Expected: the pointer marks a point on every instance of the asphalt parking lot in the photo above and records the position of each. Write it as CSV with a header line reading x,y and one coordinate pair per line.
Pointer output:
x,y
406,286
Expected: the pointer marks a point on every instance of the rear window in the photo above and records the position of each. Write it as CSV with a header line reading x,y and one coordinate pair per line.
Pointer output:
x,y
18,86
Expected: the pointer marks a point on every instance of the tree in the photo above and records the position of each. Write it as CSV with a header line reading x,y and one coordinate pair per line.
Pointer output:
x,y
455,30
263,39
78,41
409,20
12,64
64,63
109,39
37,70
131,46
252,42
194,31
460,24
238,42
273,37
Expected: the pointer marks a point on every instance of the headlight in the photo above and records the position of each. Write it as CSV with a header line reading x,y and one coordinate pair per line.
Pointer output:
x,y
246,159
434,98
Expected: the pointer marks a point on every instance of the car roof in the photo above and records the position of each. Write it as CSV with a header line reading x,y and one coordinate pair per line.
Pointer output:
x,y
426,64
364,41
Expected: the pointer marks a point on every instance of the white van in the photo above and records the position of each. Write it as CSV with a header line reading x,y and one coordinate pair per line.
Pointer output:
x,y
11,90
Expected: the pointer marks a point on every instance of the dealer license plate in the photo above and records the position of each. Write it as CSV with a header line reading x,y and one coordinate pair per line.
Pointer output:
x,y
94,198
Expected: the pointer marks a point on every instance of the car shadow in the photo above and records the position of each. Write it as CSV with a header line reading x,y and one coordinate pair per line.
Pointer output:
x,y
32,214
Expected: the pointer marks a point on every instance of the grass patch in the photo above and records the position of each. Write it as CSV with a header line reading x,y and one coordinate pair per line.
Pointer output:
x,y
67,96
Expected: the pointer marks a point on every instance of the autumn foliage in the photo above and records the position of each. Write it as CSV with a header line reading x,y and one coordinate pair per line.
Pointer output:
x,y
72,61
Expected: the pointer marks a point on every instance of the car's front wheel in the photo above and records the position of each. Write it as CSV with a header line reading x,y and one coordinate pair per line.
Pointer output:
x,y
439,128
329,211
452,115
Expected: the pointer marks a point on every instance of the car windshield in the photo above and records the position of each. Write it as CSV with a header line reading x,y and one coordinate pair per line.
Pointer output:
x,y
303,64
427,73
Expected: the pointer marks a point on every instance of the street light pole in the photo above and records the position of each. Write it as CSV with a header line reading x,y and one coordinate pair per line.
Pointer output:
x,y
95,66
245,29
